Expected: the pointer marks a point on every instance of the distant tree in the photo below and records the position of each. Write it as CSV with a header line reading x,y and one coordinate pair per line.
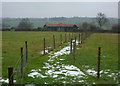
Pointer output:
x,y
85,25
39,28
101,19
12,28
116,28
25,24
5,25
92,27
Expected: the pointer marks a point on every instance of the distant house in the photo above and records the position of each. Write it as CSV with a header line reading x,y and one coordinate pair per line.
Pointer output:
x,y
60,27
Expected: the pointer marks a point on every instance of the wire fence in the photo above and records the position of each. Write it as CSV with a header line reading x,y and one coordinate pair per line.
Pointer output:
x,y
21,64
18,70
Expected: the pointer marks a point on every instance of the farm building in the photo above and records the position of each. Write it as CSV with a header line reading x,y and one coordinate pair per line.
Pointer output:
x,y
60,27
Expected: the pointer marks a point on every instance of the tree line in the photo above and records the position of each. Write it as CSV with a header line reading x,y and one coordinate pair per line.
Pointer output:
x,y
101,20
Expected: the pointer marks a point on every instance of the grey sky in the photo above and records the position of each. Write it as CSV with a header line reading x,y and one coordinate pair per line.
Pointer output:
x,y
55,9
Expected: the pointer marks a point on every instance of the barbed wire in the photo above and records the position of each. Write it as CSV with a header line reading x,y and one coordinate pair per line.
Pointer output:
x,y
17,70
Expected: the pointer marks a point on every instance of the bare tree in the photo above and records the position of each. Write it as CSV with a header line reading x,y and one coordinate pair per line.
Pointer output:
x,y
25,24
101,19
85,25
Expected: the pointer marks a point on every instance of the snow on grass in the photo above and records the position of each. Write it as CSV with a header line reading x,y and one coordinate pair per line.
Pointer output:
x,y
103,73
64,73
42,52
56,69
36,74
5,80
107,74
91,72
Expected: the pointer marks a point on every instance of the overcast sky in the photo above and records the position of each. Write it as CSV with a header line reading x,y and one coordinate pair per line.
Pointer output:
x,y
58,9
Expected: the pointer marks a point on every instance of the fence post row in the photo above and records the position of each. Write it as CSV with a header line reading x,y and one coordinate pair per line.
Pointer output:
x,y
99,52
10,75
21,62
74,46
26,52
44,45
54,41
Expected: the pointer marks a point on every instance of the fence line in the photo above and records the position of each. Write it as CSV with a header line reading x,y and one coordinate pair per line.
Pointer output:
x,y
19,68
22,62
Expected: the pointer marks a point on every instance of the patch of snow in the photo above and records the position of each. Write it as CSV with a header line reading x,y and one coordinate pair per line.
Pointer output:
x,y
58,62
91,72
110,75
62,59
6,81
33,74
33,70
45,83
108,69
113,74
42,52
81,81
71,67
94,83
101,71
53,64
3,80
54,76
105,72
39,70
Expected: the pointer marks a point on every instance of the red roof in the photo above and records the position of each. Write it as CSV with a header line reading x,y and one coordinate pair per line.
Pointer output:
x,y
61,25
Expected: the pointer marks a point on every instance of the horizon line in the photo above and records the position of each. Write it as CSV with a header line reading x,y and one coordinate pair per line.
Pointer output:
x,y
61,17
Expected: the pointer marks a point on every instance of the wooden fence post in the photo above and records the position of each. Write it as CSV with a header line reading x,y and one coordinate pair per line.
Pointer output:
x,y
99,52
85,35
65,38
69,37
74,47
10,75
71,46
72,35
54,41
44,45
79,38
75,39
21,62
26,52
60,38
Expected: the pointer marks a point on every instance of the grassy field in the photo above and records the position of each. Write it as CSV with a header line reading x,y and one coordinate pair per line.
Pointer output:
x,y
13,41
86,54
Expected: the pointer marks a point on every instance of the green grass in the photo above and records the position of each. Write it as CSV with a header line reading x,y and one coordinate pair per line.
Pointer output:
x,y
85,56
13,41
